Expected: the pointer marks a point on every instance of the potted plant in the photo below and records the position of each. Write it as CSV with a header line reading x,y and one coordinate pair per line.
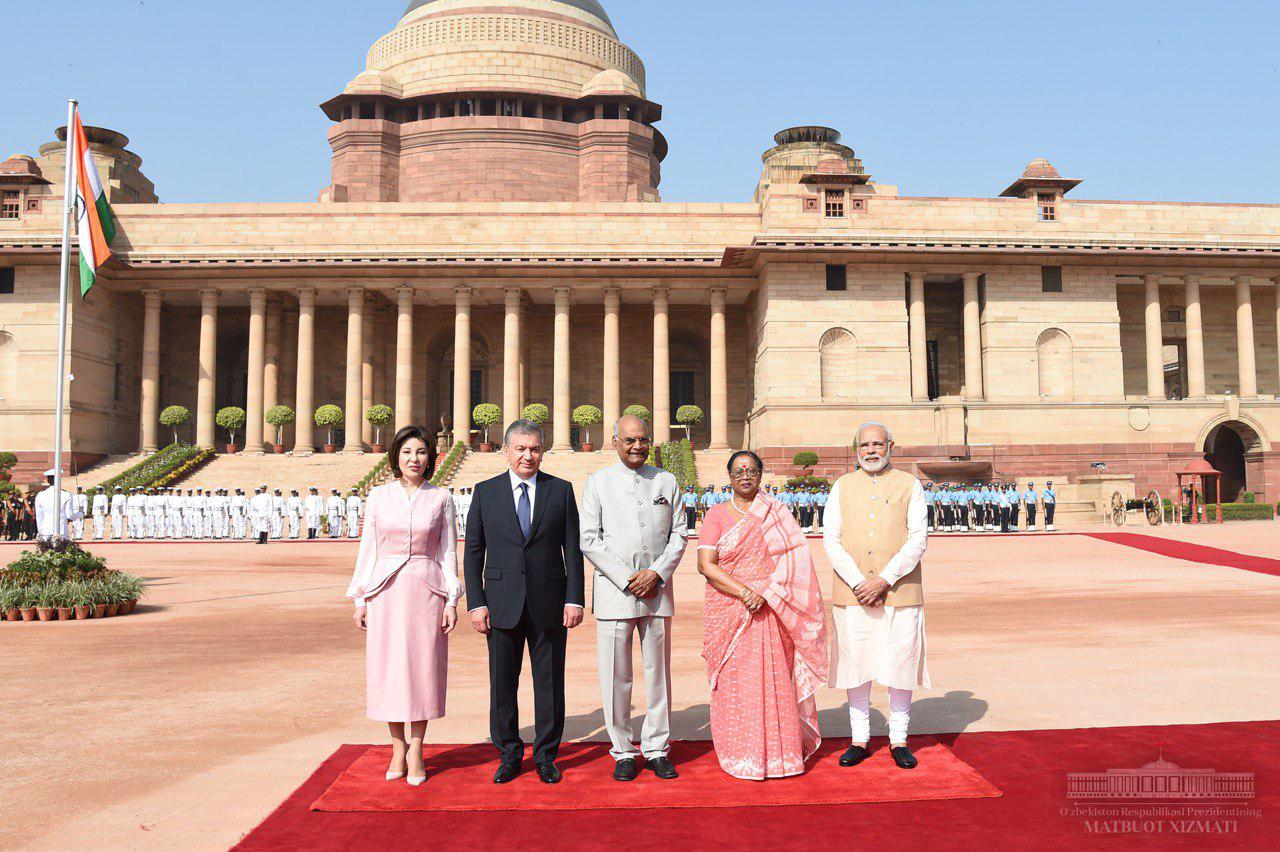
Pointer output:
x,y
329,416
689,416
486,414
98,595
10,600
132,589
279,416
637,411
27,600
175,417
232,419
7,461
536,412
587,416
60,596
806,460
45,604
378,417
79,595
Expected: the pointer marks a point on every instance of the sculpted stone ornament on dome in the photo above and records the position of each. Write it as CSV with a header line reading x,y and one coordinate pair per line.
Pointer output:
x,y
590,7
611,81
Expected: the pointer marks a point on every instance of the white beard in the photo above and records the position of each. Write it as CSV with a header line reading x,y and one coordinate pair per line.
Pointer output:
x,y
874,466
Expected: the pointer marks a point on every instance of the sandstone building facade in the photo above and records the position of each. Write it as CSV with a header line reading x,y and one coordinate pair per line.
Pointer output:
x,y
492,231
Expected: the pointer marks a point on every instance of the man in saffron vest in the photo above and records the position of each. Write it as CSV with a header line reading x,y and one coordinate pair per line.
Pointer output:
x,y
876,531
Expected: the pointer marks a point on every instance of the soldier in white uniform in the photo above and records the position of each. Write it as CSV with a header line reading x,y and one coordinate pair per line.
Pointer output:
x,y
456,497
175,512
81,502
207,507
101,505
53,515
277,514
221,519
293,509
260,514
355,510
155,514
313,507
237,506
119,507
336,506
133,512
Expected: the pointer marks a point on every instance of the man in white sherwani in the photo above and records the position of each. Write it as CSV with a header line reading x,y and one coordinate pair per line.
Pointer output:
x,y
355,511
876,533
633,532
313,507
101,505
336,507
119,508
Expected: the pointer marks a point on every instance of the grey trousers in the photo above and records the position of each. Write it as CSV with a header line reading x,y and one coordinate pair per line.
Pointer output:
x,y
614,648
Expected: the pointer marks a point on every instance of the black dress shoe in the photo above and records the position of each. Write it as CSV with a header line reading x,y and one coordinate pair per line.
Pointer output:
x,y
903,757
854,755
626,770
549,773
662,767
507,772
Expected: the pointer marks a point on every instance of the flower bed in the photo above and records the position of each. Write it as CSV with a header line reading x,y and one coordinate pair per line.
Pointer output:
x,y
172,464
451,460
61,582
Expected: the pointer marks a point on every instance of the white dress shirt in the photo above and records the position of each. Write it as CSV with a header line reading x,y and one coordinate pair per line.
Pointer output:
x,y
516,482
47,512
902,563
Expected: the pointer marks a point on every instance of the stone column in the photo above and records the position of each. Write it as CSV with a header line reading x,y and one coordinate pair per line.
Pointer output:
x,y
404,358
1244,334
661,365
355,354
462,365
304,430
153,301
1155,338
612,388
511,357
207,380
1195,339
257,363
271,367
919,338
1276,282
561,409
366,374
972,338
719,373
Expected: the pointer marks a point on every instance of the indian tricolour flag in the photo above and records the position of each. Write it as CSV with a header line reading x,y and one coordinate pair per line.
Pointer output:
x,y
95,224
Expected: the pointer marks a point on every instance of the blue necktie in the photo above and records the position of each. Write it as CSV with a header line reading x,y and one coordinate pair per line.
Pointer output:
x,y
524,511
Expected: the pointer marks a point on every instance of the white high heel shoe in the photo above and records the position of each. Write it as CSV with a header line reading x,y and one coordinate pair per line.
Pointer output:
x,y
394,776
417,782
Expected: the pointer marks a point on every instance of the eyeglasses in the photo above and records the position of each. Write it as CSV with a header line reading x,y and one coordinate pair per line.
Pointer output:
x,y
632,442
744,473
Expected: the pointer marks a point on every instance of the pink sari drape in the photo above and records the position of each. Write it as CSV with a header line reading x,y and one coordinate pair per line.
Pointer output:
x,y
765,668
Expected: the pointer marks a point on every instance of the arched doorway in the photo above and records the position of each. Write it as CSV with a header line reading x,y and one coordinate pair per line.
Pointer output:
x,y
1225,449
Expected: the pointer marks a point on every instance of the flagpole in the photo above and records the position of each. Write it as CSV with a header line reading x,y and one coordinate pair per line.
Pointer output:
x,y
60,374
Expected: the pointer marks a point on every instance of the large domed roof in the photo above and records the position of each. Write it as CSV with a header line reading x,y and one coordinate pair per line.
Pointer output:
x,y
590,7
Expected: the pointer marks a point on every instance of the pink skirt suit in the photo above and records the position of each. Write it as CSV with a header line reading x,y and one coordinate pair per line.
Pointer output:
x,y
406,574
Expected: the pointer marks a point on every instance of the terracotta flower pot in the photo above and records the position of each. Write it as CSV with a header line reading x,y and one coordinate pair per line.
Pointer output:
x,y
588,448
377,448
29,613
14,615
231,449
66,613
112,610
486,448
99,610
132,605
46,613
330,448
82,612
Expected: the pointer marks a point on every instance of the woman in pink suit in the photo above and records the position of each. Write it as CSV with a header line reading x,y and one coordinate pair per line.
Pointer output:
x,y
406,591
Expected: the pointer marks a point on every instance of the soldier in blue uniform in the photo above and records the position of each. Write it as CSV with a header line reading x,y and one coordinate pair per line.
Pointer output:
x,y
1050,498
1029,497
1015,505
820,504
1002,506
929,496
690,502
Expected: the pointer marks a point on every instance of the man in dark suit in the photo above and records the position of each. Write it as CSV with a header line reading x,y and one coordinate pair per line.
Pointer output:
x,y
525,585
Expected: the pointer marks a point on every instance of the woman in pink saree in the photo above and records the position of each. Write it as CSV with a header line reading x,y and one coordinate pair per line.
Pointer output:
x,y
765,631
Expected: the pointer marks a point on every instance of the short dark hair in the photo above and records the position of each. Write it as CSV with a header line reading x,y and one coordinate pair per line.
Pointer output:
x,y
740,453
405,434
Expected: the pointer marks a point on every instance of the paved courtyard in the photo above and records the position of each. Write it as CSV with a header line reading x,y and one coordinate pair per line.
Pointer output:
x,y
184,725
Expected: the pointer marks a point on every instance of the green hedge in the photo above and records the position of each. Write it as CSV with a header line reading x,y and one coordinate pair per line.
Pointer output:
x,y
1230,511
808,482
451,461
371,478
677,457
150,472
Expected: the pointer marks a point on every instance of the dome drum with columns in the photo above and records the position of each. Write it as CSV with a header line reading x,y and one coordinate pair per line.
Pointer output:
x,y
535,100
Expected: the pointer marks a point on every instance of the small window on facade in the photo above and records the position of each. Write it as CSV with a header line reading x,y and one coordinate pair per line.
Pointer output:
x,y
837,277
1046,206
1051,279
6,280
11,206
834,204
33,205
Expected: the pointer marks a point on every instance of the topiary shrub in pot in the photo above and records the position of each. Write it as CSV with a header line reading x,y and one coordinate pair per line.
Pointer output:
x,y
279,416
379,417
536,412
7,462
232,419
637,411
175,417
486,414
689,416
329,416
806,460
587,416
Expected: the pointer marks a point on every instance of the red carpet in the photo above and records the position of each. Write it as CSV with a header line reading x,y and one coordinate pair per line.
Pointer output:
x,y
461,779
1030,767
1193,552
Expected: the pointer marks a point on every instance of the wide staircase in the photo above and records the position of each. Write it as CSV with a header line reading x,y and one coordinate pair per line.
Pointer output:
x,y
108,468
248,471
575,467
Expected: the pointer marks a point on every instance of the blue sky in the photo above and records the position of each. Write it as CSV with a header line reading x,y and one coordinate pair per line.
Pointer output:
x,y
1144,100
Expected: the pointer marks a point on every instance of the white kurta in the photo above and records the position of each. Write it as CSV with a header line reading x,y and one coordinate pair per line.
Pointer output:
x,y
884,644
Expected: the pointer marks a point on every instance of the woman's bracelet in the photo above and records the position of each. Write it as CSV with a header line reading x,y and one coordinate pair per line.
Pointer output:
x,y
746,592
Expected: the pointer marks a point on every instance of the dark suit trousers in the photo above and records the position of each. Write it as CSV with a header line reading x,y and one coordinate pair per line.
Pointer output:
x,y
506,656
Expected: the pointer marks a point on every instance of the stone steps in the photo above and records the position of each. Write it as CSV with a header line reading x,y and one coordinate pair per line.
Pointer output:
x,y
108,468
247,471
574,467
